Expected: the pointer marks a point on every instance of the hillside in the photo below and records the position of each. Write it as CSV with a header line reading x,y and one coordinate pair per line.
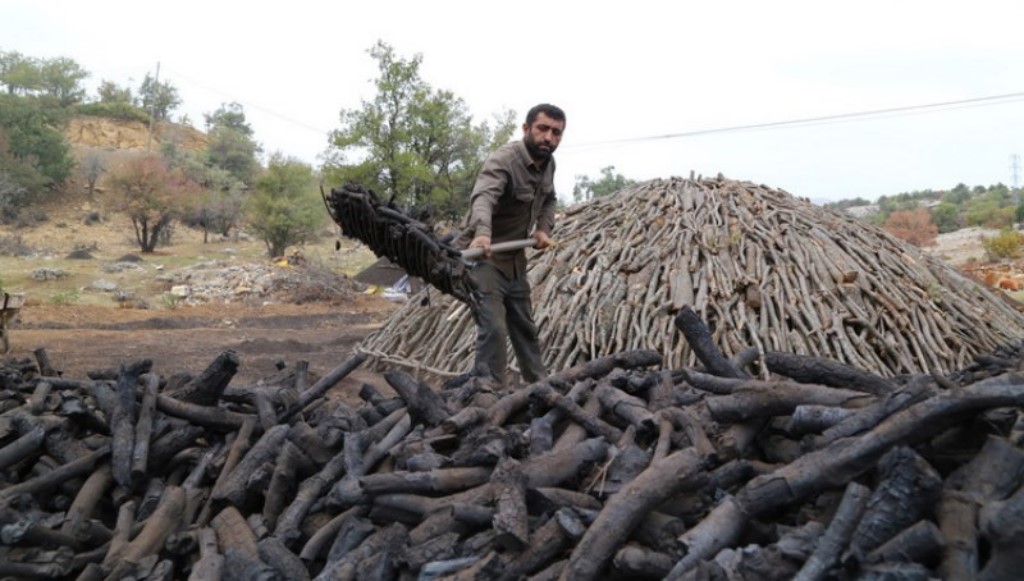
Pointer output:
x,y
110,134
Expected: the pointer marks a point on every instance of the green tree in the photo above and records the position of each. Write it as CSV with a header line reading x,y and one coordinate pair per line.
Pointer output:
x,y
35,153
285,208
231,146
61,78
152,195
110,92
610,182
158,98
19,74
219,207
412,143
946,217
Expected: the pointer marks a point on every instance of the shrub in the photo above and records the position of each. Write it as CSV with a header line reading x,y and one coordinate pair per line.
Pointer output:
x,y
1006,244
114,110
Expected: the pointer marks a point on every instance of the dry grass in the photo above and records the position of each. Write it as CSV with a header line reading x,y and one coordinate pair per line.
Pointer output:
x,y
28,250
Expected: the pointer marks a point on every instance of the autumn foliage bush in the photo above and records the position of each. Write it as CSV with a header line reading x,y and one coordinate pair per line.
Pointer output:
x,y
1006,244
914,226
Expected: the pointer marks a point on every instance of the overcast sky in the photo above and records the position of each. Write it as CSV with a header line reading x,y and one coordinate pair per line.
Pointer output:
x,y
646,85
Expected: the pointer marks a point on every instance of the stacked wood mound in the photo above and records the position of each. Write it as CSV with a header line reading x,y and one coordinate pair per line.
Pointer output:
x,y
763,268
619,468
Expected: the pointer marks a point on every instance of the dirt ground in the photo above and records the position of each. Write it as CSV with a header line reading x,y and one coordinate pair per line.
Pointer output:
x,y
79,339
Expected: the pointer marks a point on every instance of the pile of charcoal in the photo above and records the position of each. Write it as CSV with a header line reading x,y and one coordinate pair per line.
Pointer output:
x,y
761,466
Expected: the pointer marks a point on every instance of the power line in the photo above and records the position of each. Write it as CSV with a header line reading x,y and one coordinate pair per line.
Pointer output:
x,y
252,105
974,102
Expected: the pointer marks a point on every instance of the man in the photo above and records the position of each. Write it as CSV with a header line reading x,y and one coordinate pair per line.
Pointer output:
x,y
513,198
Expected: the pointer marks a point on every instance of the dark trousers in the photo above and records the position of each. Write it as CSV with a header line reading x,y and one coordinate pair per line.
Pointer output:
x,y
505,312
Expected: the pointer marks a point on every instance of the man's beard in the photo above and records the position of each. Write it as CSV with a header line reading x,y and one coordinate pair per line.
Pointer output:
x,y
535,151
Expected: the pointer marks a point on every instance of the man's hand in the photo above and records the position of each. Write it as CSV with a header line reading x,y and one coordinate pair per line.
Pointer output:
x,y
482,242
542,238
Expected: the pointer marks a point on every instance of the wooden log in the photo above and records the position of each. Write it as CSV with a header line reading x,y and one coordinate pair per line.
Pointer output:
x,y
510,520
290,460
840,462
144,429
26,446
921,542
210,417
324,536
320,387
991,475
233,532
829,548
273,552
768,399
908,489
158,527
808,369
238,448
210,565
624,510
287,526
636,561
698,336
629,409
546,543
122,534
55,477
89,495
206,389
1002,525
424,404
591,422
234,489
443,480
37,401
122,423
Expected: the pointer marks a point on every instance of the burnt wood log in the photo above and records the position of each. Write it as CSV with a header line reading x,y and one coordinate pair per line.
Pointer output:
x,y
144,429
638,561
624,510
830,547
768,399
809,369
840,462
921,542
289,462
991,475
233,532
275,554
239,446
442,480
210,417
55,477
122,423
324,536
325,383
206,389
424,404
549,541
23,448
234,489
699,338
89,495
158,527
287,526
510,519
122,534
1002,525
210,565
909,488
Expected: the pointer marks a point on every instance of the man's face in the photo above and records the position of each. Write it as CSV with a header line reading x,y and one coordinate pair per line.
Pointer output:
x,y
542,137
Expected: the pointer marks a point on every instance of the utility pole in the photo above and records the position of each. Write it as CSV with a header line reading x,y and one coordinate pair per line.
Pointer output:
x,y
1015,173
152,107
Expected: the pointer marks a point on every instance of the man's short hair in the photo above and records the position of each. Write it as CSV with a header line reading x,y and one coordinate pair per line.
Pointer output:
x,y
546,108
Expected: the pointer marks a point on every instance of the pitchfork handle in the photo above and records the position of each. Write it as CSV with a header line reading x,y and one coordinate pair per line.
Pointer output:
x,y
474,253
